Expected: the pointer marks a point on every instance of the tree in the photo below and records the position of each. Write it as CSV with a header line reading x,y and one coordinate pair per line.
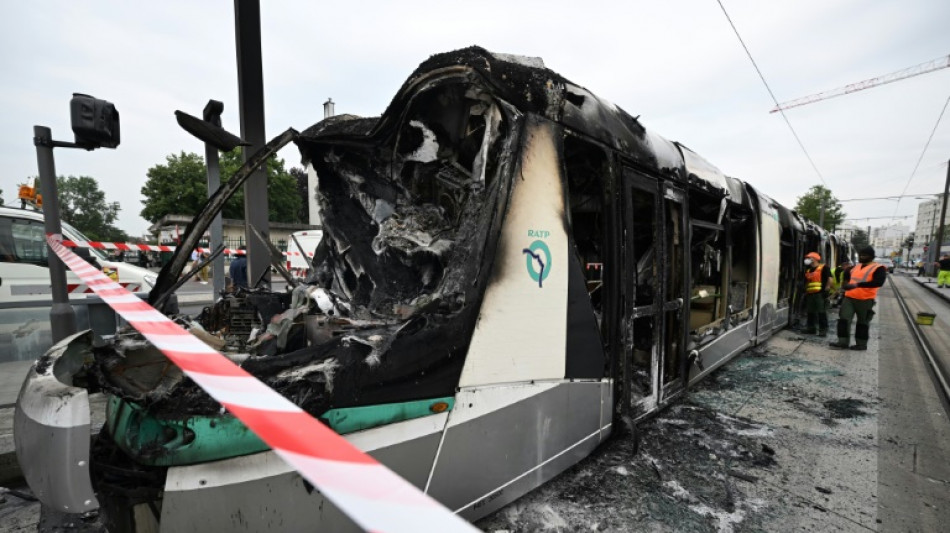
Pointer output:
x,y
303,190
859,239
180,187
177,187
84,206
809,206
283,201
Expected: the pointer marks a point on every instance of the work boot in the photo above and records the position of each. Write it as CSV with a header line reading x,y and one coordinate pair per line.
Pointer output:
x,y
822,332
839,345
860,348
809,332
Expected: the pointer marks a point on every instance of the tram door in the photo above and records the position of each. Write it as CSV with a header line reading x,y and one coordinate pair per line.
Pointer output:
x,y
655,271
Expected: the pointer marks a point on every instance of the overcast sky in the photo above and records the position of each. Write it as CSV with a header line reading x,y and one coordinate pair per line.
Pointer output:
x,y
677,64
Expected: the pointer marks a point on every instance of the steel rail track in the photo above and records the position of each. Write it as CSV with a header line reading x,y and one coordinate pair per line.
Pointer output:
x,y
942,380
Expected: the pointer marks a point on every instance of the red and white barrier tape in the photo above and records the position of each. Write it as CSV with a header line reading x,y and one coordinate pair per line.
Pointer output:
x,y
369,493
82,288
131,246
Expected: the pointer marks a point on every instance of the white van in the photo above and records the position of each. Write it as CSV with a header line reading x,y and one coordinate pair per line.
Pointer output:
x,y
24,274
309,239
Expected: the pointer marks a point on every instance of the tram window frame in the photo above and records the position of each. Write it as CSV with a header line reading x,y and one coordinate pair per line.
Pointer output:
x,y
742,246
587,170
709,249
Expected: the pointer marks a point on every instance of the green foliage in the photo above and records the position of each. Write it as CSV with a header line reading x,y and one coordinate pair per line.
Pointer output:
x,y
83,205
180,187
303,191
809,206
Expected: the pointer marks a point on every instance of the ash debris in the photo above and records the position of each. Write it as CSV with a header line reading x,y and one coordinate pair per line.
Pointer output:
x,y
696,470
701,468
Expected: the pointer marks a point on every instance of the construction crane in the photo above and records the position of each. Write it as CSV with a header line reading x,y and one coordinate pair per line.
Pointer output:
x,y
916,70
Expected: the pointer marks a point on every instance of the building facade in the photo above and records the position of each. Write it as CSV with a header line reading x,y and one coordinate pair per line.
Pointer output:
x,y
927,224
888,240
169,229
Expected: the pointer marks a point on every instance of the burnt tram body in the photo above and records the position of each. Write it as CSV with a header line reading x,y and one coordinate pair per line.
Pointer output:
x,y
510,266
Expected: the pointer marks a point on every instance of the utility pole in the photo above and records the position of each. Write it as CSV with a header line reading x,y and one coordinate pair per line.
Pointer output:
x,y
247,21
943,214
212,114
209,130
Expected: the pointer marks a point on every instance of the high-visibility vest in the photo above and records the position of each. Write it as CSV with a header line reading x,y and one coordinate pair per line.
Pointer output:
x,y
859,274
813,279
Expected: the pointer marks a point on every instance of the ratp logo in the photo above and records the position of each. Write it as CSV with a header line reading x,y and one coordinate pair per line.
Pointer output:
x,y
538,260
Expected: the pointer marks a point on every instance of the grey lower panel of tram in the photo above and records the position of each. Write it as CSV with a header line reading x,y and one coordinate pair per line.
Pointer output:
x,y
484,464
282,502
491,461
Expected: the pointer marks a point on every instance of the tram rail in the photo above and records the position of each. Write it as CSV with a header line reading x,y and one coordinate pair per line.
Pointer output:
x,y
941,377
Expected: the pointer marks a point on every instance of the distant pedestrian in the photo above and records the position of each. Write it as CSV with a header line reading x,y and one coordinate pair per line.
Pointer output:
x,y
817,284
238,270
921,270
860,285
943,277
204,274
194,262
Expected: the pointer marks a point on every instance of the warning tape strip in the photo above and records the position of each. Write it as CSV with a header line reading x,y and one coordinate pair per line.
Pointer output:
x,y
131,246
368,492
81,288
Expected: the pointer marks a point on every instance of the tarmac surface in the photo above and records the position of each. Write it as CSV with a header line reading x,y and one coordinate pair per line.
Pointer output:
x,y
789,436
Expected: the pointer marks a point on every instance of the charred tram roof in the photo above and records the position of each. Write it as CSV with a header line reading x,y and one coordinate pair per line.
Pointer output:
x,y
530,88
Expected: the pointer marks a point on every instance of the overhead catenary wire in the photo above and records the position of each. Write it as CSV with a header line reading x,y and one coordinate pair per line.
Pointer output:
x,y
922,153
772,95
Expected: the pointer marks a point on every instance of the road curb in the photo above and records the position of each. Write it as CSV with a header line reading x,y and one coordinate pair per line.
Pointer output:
x,y
932,287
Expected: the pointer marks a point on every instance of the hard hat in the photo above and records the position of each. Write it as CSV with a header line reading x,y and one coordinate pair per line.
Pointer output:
x,y
813,255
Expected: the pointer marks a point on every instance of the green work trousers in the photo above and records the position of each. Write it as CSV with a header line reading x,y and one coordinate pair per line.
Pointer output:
x,y
816,309
850,308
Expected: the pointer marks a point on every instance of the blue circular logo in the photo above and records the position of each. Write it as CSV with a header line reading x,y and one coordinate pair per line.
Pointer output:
x,y
538,261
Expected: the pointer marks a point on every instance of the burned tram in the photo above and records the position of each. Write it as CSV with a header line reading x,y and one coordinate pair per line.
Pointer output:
x,y
509,266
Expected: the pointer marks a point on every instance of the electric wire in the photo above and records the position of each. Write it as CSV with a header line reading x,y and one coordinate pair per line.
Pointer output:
x,y
772,95
922,153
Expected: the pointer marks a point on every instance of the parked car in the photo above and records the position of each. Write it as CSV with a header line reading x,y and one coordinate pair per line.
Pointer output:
x,y
885,262
24,274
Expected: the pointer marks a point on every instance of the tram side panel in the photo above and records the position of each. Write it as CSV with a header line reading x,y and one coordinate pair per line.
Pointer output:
x,y
516,415
771,315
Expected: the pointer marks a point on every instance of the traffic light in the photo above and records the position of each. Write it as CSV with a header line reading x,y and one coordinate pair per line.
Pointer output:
x,y
95,122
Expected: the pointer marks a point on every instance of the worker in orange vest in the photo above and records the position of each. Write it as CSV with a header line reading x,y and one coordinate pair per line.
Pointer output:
x,y
817,284
860,285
